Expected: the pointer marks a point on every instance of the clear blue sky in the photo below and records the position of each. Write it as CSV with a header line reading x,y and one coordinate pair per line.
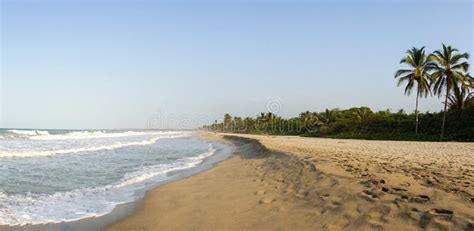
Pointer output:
x,y
123,64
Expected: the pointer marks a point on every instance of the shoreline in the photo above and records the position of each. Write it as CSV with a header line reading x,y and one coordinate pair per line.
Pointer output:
x,y
318,184
126,209
299,183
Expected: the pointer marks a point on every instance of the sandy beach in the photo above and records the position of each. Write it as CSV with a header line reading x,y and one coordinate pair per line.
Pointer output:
x,y
236,115
295,183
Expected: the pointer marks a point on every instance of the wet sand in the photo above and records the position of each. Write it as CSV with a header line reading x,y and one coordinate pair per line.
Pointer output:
x,y
295,183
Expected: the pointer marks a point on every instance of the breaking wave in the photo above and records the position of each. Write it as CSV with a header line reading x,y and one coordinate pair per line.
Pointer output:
x,y
149,138
21,209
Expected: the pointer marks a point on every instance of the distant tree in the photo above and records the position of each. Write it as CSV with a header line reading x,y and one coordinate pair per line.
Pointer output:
x,y
417,74
249,124
261,122
214,126
362,114
308,121
401,112
271,122
329,116
227,122
305,114
449,70
239,125
462,95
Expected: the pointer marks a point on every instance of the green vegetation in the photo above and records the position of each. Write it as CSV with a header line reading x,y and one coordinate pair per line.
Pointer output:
x,y
443,73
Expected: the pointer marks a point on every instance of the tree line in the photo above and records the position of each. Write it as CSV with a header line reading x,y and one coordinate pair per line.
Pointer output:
x,y
443,73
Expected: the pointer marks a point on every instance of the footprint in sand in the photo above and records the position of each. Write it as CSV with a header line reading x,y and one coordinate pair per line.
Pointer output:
x,y
332,205
260,192
266,200
416,199
448,214
438,217
324,196
371,195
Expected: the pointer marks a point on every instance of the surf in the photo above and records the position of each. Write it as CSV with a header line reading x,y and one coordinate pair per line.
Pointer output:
x,y
76,186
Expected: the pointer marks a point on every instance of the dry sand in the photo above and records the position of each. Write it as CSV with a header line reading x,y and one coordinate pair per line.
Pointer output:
x,y
294,183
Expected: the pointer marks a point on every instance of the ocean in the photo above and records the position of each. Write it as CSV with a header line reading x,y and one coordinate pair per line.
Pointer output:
x,y
51,176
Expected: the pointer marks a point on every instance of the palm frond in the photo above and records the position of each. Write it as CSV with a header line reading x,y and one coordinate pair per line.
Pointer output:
x,y
457,57
437,58
461,66
437,74
405,78
409,87
402,72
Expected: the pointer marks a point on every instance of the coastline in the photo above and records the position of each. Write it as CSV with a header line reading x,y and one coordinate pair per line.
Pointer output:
x,y
298,183
324,184
126,209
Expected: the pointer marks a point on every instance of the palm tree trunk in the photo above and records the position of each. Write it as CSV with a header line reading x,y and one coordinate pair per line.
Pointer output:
x,y
444,114
416,112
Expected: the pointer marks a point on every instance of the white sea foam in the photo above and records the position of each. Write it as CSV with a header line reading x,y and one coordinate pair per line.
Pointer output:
x,y
156,136
88,135
20,209
154,171
45,135
30,132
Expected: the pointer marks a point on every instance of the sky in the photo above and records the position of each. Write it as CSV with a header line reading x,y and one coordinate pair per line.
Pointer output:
x,y
181,64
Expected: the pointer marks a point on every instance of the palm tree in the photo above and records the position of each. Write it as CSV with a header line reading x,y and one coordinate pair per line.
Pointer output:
x,y
310,121
449,69
329,116
462,95
227,122
362,114
417,73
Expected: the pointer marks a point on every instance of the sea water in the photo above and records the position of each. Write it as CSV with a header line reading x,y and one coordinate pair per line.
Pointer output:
x,y
50,176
